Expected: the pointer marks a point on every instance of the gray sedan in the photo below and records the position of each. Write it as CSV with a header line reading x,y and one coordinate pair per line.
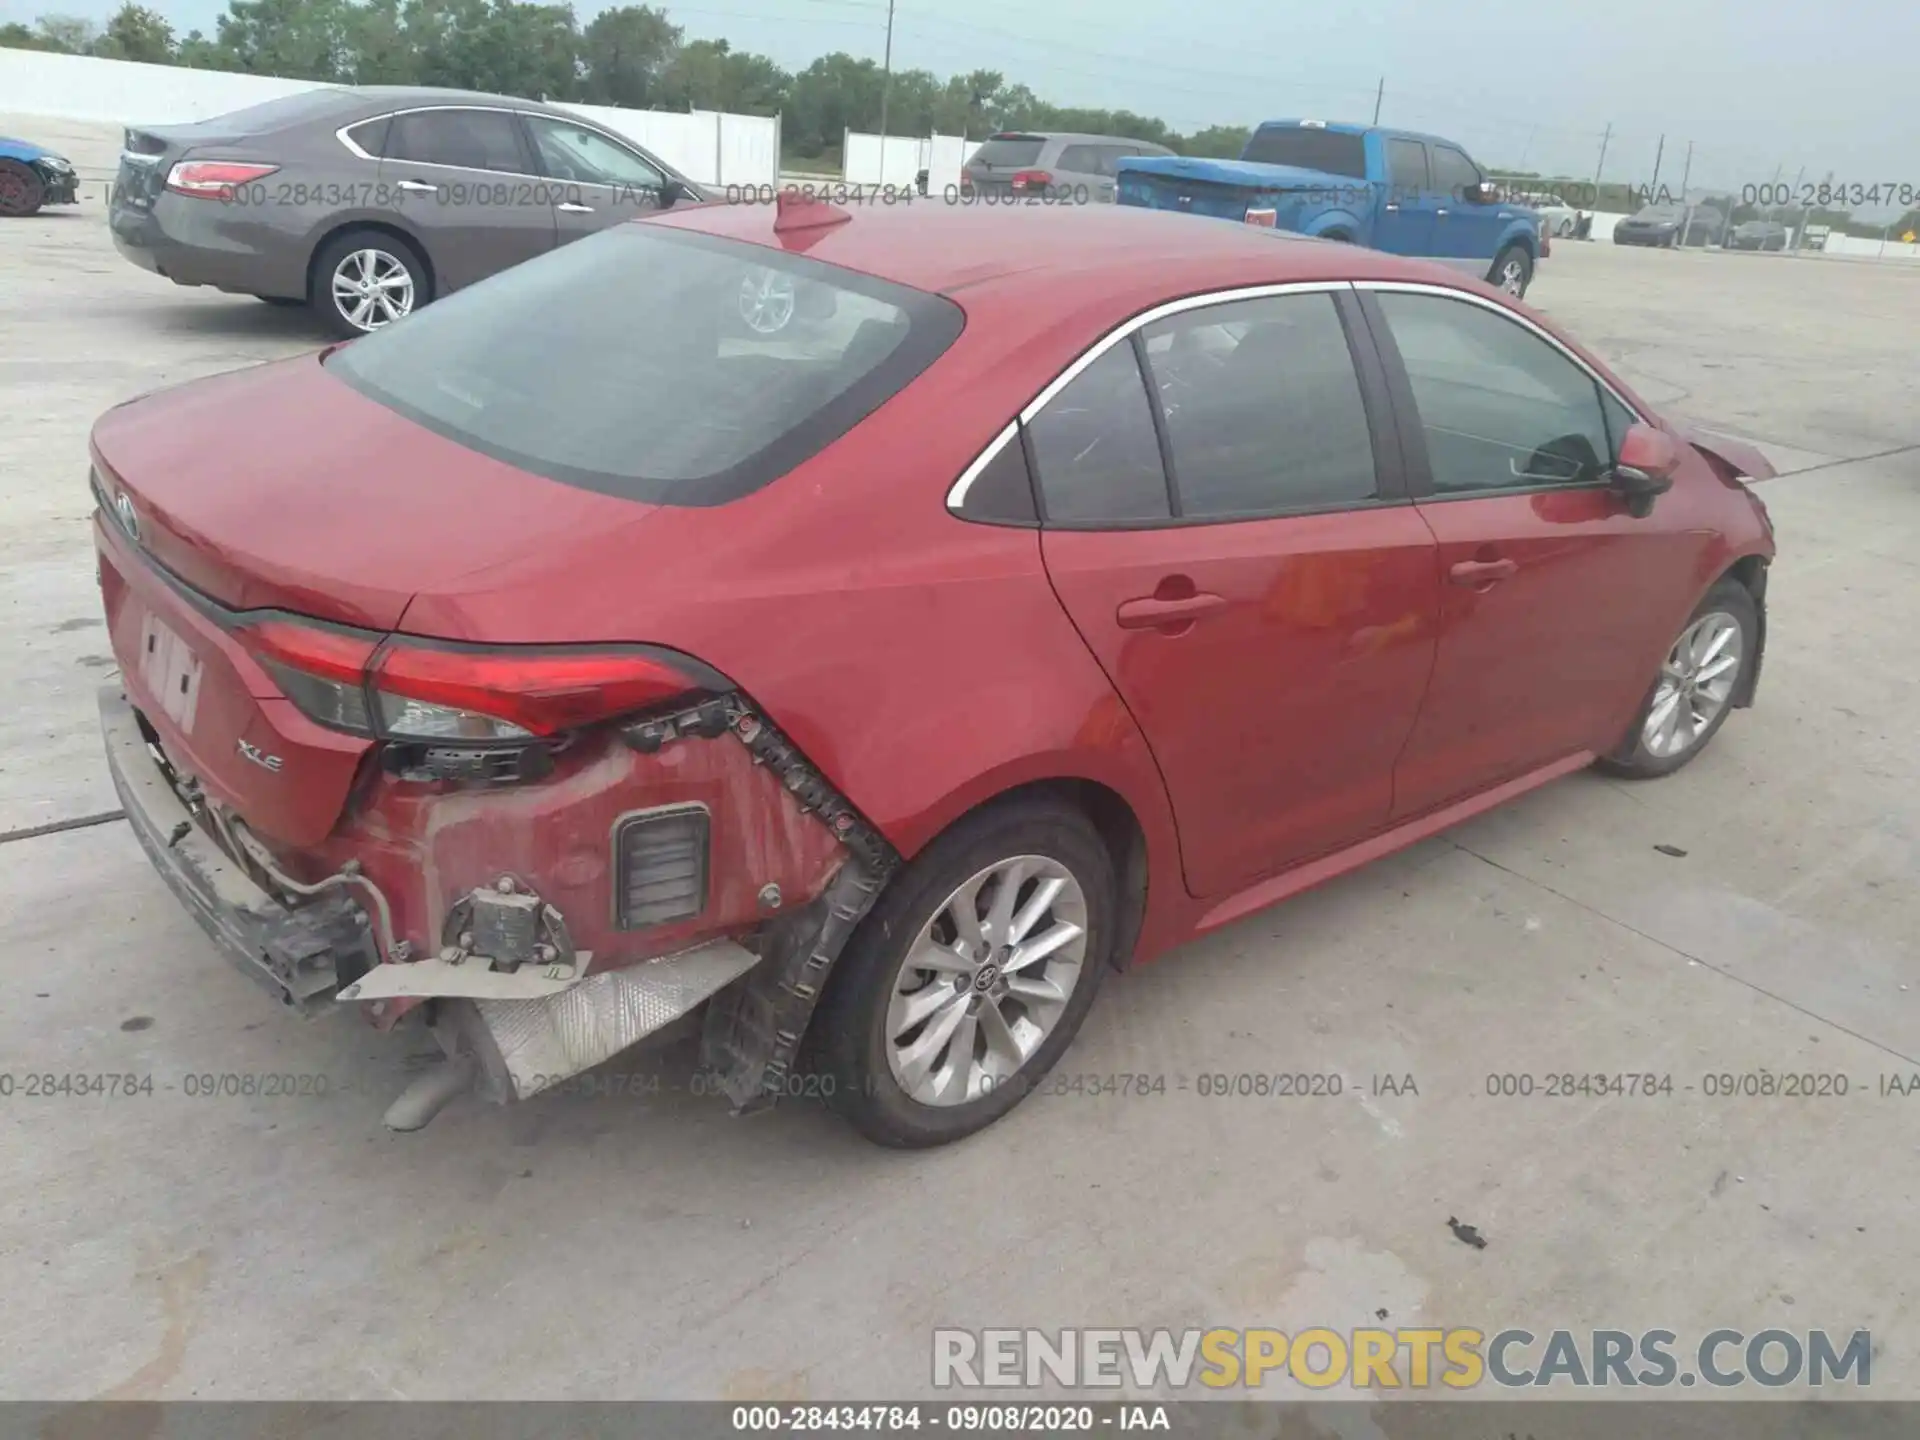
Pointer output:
x,y
367,203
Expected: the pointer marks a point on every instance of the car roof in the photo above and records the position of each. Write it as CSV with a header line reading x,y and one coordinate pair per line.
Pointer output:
x,y
1073,137
1126,251
392,97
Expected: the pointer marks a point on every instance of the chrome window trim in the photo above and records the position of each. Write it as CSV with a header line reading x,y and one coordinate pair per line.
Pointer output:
x,y
1417,287
957,494
617,141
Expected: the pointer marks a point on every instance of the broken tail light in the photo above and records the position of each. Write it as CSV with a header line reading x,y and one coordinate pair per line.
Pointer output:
x,y
213,179
1031,179
404,689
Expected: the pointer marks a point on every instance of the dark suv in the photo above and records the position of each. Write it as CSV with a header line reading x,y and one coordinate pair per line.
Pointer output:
x,y
367,203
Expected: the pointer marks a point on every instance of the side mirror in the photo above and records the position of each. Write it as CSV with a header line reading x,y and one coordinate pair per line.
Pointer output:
x,y
1644,471
673,191
1485,193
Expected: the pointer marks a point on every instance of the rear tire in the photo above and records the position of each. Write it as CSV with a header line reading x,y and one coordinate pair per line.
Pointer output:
x,y
20,189
1690,699
890,1032
1512,271
395,279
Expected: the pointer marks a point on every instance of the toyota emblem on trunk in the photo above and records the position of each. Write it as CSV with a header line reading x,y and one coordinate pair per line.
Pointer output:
x,y
129,517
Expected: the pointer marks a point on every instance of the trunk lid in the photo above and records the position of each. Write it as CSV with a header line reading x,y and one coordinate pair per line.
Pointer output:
x,y
280,487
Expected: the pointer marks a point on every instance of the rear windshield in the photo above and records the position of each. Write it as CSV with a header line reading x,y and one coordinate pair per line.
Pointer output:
x,y
1011,150
1327,150
273,114
654,364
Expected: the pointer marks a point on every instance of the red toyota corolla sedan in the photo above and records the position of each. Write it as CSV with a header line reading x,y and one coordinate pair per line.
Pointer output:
x,y
875,627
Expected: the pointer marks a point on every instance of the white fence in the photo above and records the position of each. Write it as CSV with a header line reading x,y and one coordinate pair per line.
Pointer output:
x,y
706,145
865,160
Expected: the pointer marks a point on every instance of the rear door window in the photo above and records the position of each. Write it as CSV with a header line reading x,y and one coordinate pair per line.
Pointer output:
x,y
1095,447
1083,160
460,139
654,364
371,135
1263,408
1406,166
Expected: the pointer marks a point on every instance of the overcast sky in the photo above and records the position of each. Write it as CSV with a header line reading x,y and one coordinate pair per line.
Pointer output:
x,y
1519,82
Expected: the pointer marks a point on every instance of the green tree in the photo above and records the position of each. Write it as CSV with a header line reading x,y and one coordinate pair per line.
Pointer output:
x,y
378,42
711,75
1220,142
834,94
624,55
299,39
64,34
137,33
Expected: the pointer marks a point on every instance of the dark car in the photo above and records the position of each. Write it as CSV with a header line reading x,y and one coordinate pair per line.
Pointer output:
x,y
1758,235
1669,225
575,662
32,175
1059,165
367,203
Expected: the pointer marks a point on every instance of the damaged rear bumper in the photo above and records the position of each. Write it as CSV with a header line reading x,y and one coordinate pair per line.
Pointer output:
x,y
300,956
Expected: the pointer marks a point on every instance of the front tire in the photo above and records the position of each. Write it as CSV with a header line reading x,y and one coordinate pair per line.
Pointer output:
x,y
364,280
971,976
21,192
1702,674
1512,271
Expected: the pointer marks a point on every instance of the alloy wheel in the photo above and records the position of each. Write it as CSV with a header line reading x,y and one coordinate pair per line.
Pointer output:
x,y
372,288
1696,682
1513,277
986,980
766,301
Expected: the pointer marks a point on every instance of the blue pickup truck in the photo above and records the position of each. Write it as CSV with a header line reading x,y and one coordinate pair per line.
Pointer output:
x,y
1407,194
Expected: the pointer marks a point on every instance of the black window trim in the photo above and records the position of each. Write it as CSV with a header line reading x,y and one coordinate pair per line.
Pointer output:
x,y
1413,442
1392,473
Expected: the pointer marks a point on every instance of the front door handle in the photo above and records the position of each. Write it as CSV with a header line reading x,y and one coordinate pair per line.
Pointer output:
x,y
1149,612
567,207
418,187
1482,572
1441,213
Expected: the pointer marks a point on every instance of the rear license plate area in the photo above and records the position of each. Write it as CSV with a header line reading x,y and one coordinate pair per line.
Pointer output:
x,y
170,671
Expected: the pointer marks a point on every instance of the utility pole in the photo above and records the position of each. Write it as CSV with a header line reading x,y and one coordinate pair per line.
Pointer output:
x,y
1602,165
1659,151
1687,173
886,91
1378,95
1525,149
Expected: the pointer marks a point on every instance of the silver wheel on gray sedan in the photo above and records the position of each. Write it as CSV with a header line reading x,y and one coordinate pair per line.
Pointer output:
x,y
986,980
371,288
1696,682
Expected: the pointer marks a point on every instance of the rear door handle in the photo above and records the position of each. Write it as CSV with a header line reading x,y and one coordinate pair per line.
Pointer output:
x,y
567,207
1482,572
418,187
1151,613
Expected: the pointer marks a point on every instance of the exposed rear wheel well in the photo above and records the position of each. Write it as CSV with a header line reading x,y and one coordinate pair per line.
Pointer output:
x,y
1119,831
392,232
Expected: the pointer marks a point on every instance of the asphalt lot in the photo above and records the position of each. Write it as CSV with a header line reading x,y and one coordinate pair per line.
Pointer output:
x,y
173,1246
